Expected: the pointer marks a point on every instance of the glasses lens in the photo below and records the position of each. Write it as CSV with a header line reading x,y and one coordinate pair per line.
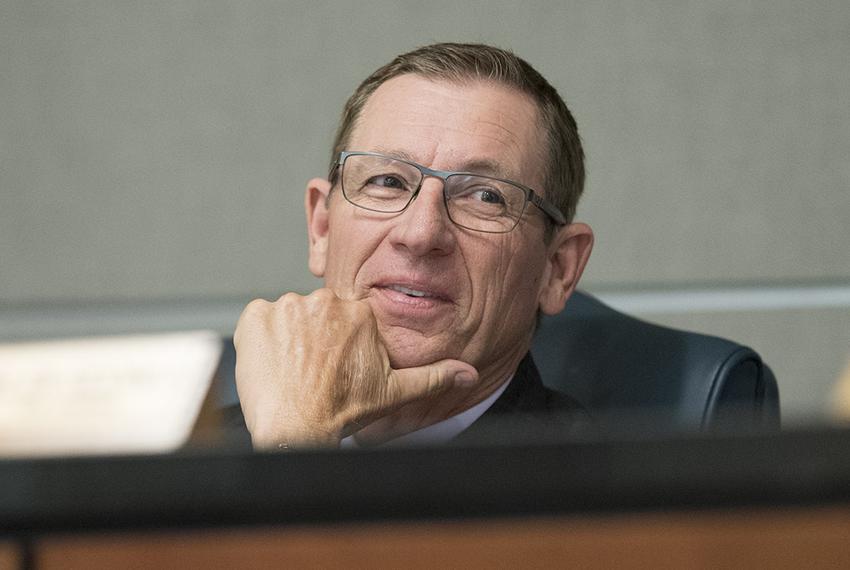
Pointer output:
x,y
379,183
484,204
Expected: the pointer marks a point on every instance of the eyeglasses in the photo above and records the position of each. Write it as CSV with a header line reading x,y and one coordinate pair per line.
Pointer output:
x,y
381,183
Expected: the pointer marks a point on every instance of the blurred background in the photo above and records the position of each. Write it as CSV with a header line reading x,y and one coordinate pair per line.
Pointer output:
x,y
153,157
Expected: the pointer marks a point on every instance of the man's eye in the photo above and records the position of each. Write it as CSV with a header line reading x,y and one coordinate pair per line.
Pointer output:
x,y
489,196
386,181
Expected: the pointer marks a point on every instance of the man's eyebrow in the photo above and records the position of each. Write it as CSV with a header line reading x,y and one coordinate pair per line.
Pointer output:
x,y
486,167
482,166
396,153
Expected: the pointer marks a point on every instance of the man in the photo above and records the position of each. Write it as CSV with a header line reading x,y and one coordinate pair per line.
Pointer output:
x,y
443,229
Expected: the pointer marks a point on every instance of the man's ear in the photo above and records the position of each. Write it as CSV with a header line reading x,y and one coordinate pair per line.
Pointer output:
x,y
316,200
567,256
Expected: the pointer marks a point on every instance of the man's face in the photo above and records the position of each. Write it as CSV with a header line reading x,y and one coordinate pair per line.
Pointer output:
x,y
481,291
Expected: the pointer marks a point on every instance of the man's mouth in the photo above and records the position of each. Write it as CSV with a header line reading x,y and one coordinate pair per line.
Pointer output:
x,y
423,292
409,292
411,303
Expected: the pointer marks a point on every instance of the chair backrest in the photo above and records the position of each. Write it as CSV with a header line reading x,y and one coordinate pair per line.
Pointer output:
x,y
622,368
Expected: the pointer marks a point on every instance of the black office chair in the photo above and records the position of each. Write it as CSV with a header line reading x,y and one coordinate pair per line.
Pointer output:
x,y
629,373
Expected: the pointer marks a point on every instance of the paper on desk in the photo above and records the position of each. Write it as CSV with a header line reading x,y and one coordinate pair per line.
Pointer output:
x,y
133,394
840,402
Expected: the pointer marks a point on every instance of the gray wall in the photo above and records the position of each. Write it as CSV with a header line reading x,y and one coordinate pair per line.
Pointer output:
x,y
153,154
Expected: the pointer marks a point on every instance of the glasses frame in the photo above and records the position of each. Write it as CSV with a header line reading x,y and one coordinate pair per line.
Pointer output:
x,y
530,195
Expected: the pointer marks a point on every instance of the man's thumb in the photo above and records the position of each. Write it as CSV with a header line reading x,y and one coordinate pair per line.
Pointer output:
x,y
410,384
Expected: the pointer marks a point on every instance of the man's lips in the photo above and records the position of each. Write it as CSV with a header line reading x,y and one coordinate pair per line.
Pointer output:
x,y
415,292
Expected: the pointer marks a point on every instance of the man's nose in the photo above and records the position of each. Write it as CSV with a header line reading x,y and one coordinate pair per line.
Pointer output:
x,y
424,227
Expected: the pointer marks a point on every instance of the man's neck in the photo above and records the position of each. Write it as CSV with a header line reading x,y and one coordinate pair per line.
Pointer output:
x,y
423,413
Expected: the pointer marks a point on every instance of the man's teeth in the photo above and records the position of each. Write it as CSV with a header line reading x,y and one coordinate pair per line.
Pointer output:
x,y
406,291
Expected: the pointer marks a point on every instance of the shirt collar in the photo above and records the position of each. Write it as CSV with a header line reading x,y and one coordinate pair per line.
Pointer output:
x,y
442,431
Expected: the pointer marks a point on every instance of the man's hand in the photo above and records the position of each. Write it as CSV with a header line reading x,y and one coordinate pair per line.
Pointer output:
x,y
310,370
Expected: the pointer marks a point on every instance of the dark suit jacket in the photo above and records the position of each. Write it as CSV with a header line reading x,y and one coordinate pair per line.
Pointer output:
x,y
527,411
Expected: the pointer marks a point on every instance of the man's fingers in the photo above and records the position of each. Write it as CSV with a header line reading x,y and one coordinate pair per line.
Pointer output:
x,y
408,384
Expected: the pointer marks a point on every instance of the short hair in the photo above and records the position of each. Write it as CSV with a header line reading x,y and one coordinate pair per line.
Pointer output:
x,y
564,175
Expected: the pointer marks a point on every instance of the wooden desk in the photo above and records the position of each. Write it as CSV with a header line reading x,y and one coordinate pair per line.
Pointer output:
x,y
788,538
10,558
778,501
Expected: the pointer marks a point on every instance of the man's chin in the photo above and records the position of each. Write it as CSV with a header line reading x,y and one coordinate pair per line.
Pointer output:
x,y
407,359
409,350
